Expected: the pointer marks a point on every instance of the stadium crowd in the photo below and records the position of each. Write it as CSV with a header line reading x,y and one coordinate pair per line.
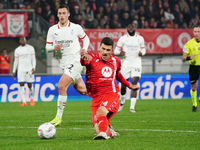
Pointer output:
x,y
116,13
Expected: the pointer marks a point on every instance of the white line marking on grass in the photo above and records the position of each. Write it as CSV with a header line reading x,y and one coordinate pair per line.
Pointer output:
x,y
150,130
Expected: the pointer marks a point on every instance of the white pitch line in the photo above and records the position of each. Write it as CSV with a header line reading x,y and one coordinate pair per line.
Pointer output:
x,y
150,130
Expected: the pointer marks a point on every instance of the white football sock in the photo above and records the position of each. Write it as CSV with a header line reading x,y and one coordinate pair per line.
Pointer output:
x,y
22,93
31,92
133,102
61,105
123,99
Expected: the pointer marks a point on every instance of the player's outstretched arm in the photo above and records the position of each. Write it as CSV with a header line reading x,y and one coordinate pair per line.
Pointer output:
x,y
134,87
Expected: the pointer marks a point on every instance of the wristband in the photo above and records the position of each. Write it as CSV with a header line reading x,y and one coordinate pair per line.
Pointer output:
x,y
188,58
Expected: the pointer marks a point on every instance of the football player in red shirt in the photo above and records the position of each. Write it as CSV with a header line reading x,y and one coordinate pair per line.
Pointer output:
x,y
102,70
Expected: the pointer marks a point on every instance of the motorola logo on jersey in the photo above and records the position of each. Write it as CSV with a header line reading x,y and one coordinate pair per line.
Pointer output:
x,y
106,71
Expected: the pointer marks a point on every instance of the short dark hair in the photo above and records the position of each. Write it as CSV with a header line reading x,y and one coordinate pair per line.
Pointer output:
x,y
64,6
196,26
107,41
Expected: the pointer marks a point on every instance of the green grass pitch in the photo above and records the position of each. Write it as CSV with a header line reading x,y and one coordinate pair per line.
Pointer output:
x,y
157,125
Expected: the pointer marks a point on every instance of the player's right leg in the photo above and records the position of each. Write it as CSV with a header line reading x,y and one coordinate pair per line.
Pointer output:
x,y
63,84
123,97
22,93
193,93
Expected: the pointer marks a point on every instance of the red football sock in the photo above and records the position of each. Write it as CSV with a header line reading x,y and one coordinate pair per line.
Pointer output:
x,y
103,123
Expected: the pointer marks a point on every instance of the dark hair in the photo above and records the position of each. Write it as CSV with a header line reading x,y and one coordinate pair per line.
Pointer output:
x,y
196,26
107,41
63,6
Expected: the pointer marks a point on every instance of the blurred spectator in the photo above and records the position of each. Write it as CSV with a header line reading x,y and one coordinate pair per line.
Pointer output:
x,y
82,5
124,10
186,15
155,24
93,5
106,26
131,5
115,23
166,4
1,6
175,26
100,10
47,12
52,20
89,22
162,23
159,4
180,20
168,15
192,23
141,11
191,4
183,5
121,4
104,20
125,20
151,22
4,62
114,10
86,12
176,11
15,4
35,4
160,13
146,24
79,20
97,20
107,10
184,26
141,22
150,13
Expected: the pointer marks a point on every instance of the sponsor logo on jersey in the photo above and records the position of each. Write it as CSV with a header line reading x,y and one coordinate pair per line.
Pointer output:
x,y
106,71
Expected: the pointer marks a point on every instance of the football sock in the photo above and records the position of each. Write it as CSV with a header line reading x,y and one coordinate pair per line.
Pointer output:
x,y
103,123
133,102
61,105
194,97
31,92
123,99
22,93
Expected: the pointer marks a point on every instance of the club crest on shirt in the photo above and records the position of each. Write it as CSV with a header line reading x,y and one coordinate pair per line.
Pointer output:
x,y
106,71
198,48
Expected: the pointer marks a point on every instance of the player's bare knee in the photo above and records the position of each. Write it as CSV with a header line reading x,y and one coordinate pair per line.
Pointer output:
x,y
102,111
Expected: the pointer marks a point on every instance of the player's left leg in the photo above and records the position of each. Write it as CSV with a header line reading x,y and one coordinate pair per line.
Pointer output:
x,y
30,86
134,95
79,85
102,123
193,93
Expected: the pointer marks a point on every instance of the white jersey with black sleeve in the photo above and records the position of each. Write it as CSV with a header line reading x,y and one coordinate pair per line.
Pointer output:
x,y
69,37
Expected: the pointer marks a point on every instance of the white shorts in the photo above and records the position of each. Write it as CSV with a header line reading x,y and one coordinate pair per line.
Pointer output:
x,y
25,76
74,70
131,71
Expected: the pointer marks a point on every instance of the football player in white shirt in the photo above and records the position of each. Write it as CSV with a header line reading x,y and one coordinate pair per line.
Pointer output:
x,y
132,47
64,39
24,59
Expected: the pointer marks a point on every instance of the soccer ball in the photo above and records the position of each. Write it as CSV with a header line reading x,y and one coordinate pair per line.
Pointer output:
x,y
46,131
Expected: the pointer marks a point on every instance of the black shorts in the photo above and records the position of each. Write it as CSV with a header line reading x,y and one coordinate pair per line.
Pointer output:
x,y
194,72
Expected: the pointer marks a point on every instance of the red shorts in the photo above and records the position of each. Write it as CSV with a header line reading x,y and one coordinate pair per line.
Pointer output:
x,y
110,101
